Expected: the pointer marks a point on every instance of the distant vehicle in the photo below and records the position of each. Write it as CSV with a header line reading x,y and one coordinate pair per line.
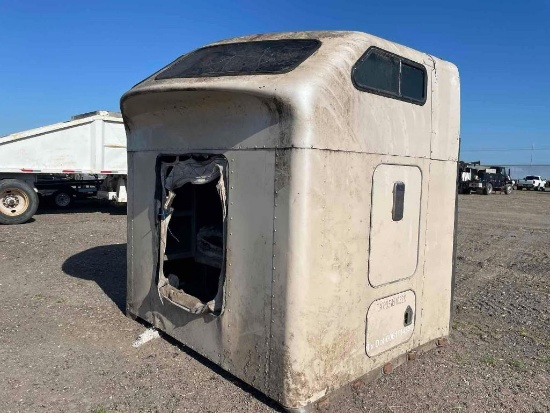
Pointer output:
x,y
466,174
472,176
83,157
534,182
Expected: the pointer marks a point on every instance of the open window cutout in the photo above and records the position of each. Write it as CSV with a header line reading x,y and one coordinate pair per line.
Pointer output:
x,y
192,232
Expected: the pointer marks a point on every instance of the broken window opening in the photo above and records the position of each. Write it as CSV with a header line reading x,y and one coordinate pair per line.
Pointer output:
x,y
192,232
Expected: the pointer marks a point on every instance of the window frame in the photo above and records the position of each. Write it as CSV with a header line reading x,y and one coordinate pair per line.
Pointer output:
x,y
380,92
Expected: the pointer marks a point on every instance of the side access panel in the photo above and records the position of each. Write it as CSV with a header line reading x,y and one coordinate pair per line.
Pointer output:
x,y
395,223
390,322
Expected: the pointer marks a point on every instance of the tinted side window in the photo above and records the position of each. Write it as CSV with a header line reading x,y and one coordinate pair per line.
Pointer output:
x,y
380,72
412,83
386,74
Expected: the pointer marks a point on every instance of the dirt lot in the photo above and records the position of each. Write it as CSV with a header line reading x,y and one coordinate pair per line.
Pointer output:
x,y
66,346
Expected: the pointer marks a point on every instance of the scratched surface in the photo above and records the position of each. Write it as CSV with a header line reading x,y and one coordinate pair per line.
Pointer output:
x,y
315,247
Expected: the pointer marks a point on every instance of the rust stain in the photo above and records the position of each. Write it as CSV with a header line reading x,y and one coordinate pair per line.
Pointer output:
x,y
441,342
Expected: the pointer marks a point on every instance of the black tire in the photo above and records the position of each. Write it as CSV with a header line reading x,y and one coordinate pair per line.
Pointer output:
x,y
488,190
62,199
18,202
508,189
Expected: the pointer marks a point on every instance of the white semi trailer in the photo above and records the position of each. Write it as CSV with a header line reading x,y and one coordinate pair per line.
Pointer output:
x,y
83,156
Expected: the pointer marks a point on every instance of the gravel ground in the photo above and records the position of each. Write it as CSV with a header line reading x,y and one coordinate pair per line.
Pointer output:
x,y
66,346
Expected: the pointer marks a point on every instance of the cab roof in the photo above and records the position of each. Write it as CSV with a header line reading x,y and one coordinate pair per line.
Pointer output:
x,y
337,51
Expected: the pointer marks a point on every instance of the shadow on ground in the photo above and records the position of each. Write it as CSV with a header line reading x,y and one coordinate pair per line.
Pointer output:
x,y
81,206
106,265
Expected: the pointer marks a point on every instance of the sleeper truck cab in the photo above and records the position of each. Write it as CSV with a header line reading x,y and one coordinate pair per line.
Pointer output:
x,y
289,213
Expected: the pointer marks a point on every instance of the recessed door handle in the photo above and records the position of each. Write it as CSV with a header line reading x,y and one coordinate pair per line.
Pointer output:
x,y
398,201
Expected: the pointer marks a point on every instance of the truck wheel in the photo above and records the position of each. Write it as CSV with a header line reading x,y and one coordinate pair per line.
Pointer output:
x,y
508,189
62,199
18,201
488,190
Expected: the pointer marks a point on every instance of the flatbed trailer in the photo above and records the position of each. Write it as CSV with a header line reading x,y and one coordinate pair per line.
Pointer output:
x,y
83,157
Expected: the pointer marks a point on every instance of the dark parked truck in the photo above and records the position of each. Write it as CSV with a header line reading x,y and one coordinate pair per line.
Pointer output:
x,y
488,179
290,216
466,173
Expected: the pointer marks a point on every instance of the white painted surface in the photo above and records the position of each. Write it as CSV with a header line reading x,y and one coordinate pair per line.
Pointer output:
x,y
394,244
89,145
303,149
385,322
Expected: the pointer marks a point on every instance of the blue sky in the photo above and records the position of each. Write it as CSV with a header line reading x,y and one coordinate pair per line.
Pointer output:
x,y
59,58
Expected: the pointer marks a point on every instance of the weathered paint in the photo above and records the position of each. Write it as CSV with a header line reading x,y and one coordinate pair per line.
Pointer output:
x,y
385,326
400,237
303,150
